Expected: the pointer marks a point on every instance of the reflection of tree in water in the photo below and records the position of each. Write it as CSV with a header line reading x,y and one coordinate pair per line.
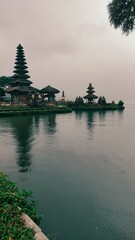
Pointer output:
x,y
95,118
50,124
36,122
78,115
22,130
120,113
88,117
102,115
91,118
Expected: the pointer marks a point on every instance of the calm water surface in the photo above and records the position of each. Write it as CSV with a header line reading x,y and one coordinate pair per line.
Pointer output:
x,y
81,169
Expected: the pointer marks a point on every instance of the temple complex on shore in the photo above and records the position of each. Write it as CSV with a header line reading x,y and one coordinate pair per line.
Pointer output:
x,y
22,93
19,86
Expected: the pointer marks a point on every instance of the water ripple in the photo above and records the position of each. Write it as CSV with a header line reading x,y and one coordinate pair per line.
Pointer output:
x,y
110,222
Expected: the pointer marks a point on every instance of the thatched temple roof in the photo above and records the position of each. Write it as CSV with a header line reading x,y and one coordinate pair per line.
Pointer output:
x,y
90,96
49,89
33,89
22,89
20,81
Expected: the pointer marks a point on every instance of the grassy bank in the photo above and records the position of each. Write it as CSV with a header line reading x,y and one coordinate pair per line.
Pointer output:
x,y
13,202
98,108
14,111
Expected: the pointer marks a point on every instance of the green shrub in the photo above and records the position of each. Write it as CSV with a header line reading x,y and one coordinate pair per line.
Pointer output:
x,y
13,202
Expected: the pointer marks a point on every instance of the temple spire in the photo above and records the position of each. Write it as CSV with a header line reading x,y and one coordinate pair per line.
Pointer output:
x,y
20,72
63,96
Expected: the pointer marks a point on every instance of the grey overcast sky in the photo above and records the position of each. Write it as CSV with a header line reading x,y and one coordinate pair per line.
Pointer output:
x,y
68,44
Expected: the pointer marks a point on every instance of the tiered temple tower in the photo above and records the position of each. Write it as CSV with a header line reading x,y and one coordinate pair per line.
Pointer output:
x,y
20,65
20,89
90,96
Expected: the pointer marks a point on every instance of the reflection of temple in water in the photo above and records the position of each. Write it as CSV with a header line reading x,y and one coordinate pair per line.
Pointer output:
x,y
92,118
78,115
95,119
22,131
23,128
99,119
50,123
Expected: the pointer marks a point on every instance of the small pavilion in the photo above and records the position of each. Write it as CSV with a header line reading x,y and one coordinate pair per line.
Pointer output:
x,y
49,92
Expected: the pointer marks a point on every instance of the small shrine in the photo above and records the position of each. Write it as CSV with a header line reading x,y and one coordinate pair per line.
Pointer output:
x,y
63,96
62,99
90,96
49,93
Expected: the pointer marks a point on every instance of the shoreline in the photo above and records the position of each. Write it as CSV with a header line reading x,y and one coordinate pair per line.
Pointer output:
x,y
19,111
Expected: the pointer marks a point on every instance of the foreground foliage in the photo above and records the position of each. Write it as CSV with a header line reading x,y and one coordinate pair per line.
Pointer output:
x,y
122,14
13,202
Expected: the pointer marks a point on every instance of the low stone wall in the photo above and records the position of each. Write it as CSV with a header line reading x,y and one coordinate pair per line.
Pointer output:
x,y
29,223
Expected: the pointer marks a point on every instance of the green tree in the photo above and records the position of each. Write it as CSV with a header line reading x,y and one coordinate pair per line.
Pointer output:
x,y
79,101
14,202
5,81
102,101
122,15
2,93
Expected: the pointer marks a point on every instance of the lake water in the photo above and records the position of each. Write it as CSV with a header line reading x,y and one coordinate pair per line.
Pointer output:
x,y
80,168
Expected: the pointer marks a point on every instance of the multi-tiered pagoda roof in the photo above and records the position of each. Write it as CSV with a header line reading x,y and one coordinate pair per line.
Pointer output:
x,y
90,96
20,88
